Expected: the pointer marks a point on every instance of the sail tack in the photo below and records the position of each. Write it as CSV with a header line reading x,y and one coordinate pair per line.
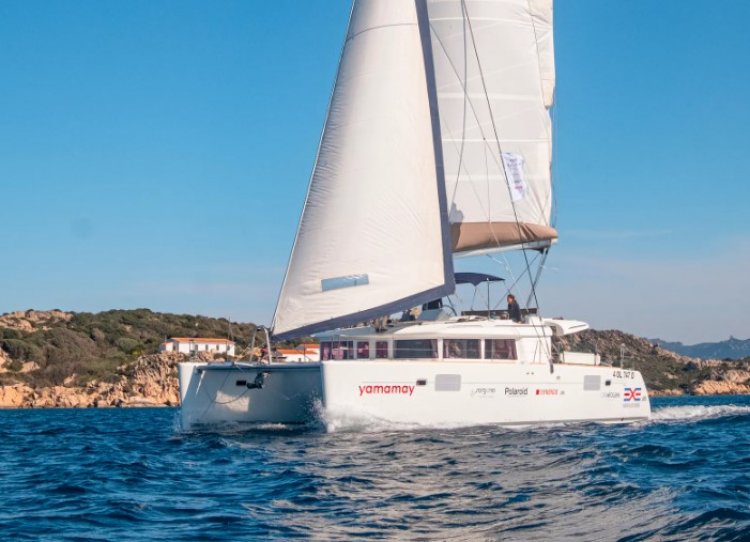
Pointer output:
x,y
374,235
495,77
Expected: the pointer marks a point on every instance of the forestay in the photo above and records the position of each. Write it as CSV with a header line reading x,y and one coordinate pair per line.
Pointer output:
x,y
495,74
374,235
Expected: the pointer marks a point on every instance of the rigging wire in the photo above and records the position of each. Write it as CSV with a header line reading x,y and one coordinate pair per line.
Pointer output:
x,y
516,280
497,141
465,12
461,78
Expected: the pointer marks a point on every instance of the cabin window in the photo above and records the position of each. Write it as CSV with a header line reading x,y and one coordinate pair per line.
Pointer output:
x,y
500,349
461,348
415,348
336,350
381,349
363,350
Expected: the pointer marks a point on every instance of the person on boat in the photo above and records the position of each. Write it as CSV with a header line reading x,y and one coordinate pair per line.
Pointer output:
x,y
453,349
514,310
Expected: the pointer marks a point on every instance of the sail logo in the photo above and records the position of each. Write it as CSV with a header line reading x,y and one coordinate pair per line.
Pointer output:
x,y
513,166
388,389
631,394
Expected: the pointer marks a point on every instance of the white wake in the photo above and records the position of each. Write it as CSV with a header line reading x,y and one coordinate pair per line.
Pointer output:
x,y
697,412
355,422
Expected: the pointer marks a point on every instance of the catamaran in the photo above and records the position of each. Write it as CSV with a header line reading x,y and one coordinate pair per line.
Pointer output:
x,y
437,145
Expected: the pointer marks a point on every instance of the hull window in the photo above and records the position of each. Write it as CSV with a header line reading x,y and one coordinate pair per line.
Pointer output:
x,y
447,382
592,382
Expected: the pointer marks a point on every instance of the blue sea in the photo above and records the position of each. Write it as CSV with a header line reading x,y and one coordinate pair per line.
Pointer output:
x,y
133,474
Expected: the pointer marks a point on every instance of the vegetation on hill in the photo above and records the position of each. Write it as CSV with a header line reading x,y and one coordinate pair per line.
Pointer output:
x,y
49,347
731,349
661,369
40,349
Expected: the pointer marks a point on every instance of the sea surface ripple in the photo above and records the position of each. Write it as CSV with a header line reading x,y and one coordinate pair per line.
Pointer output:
x,y
132,474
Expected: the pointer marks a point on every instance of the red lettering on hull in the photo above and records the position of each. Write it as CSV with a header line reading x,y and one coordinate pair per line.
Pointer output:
x,y
547,391
386,389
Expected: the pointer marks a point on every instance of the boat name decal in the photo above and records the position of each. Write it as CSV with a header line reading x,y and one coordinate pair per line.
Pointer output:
x,y
515,392
391,389
482,392
631,394
548,391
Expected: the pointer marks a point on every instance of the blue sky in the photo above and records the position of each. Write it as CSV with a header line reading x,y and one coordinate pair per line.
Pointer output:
x,y
156,154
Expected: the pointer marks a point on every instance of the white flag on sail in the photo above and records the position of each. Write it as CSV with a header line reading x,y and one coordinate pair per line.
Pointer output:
x,y
513,164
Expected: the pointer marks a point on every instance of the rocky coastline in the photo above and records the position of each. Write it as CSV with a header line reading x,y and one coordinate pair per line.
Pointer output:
x,y
150,382
150,379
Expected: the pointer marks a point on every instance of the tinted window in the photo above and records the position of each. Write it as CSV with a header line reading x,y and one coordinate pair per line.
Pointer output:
x,y
500,349
363,350
381,349
336,350
416,348
461,348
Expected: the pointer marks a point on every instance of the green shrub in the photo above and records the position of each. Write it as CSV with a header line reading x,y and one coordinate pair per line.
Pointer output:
x,y
22,350
127,345
94,346
6,333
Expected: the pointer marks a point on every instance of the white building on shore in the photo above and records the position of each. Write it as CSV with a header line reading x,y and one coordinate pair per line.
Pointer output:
x,y
303,352
190,345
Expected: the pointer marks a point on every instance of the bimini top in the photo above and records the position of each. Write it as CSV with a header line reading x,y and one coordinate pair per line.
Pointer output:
x,y
475,278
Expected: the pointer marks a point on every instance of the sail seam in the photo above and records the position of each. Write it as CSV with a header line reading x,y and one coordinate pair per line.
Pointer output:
x,y
467,101
364,31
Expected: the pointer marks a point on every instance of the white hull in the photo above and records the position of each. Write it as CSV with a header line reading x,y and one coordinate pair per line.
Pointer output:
x,y
430,393
466,392
219,393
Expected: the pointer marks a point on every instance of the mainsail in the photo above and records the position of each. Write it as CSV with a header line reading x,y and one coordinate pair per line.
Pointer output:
x,y
374,234
495,76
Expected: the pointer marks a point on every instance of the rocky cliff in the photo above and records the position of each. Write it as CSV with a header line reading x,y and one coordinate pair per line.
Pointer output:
x,y
150,381
62,359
